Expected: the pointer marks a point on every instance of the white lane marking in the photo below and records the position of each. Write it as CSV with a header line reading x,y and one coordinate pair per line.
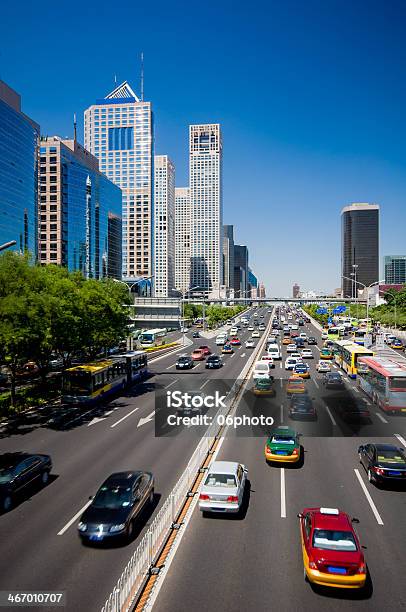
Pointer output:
x,y
243,355
281,381
316,383
330,415
283,494
355,389
380,417
171,366
317,347
281,413
334,366
280,365
401,439
239,348
74,518
369,498
170,384
232,355
124,417
146,419
204,384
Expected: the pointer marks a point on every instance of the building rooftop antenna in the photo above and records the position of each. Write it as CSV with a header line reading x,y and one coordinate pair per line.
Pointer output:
x,y
142,76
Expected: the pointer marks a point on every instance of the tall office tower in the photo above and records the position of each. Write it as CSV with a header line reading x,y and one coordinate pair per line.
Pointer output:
x,y
359,247
228,256
164,226
19,137
119,132
395,269
261,291
295,290
79,224
182,238
240,271
252,283
206,197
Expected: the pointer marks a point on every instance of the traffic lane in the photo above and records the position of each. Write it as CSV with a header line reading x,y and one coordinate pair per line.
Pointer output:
x,y
224,548
328,479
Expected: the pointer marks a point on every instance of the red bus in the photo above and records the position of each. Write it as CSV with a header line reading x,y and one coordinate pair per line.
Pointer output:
x,y
384,380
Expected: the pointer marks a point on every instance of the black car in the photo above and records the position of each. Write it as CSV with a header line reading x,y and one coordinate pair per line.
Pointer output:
x,y
116,505
214,362
184,362
300,343
300,322
20,471
195,334
302,408
383,463
333,380
311,340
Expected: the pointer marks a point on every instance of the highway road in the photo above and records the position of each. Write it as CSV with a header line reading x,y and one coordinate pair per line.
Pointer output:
x,y
254,562
40,546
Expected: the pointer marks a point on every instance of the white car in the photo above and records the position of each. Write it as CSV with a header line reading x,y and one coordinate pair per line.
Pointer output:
x,y
223,488
271,339
298,355
323,366
291,362
269,359
306,354
294,327
291,348
276,332
261,327
303,335
250,344
250,328
274,352
261,370
324,335
234,330
255,334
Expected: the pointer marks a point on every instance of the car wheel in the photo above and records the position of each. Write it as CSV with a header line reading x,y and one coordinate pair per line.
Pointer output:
x,y
305,578
7,503
44,478
205,514
151,496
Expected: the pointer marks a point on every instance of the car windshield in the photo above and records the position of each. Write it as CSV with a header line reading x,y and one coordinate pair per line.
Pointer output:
x,y
220,480
328,539
278,439
390,456
6,475
262,367
112,498
296,381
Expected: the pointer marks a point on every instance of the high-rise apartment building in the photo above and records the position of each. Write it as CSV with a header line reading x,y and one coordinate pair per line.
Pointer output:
x,y
79,222
164,226
119,132
395,269
261,291
205,164
182,239
19,136
295,290
240,270
359,247
228,256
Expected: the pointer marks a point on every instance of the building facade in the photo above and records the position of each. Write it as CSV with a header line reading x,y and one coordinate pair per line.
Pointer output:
x,y
19,137
164,226
395,269
261,291
119,132
240,270
79,222
295,290
252,284
228,256
359,247
182,238
206,197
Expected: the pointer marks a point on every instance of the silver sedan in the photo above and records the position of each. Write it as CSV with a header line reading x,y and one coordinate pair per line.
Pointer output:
x,y
223,488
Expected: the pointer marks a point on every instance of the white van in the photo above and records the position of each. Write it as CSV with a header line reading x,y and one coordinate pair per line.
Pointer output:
x,y
274,352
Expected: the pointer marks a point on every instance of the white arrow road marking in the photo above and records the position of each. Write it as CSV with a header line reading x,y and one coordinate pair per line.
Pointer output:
x,y
146,419
243,355
401,439
124,417
98,419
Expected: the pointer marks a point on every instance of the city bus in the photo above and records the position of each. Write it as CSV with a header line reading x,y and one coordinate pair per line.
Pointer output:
x,y
337,350
92,382
384,380
333,333
152,337
359,336
349,356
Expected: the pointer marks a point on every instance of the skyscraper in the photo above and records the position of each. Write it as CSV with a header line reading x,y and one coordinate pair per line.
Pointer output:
x,y
19,136
79,224
295,290
119,132
359,247
395,269
182,238
261,291
228,256
240,270
205,164
164,226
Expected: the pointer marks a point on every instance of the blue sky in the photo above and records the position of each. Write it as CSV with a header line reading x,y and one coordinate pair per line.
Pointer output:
x,y
311,97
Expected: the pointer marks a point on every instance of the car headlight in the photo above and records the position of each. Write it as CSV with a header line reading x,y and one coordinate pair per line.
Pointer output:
x,y
115,528
82,526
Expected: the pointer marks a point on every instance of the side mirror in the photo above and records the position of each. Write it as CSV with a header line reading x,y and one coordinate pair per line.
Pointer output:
x,y
355,520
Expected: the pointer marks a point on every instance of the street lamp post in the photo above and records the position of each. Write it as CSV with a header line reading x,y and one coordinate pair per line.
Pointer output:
x,y
7,245
130,338
367,288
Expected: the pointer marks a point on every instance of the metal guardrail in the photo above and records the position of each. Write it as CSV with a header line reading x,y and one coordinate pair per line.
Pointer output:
x,y
136,570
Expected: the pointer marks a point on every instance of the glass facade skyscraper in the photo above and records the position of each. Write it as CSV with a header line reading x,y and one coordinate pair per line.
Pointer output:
x,y
359,247
182,238
19,137
395,269
80,224
119,132
164,211
228,256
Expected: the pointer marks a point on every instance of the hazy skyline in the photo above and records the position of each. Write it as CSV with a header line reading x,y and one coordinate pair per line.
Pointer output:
x,y
310,97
